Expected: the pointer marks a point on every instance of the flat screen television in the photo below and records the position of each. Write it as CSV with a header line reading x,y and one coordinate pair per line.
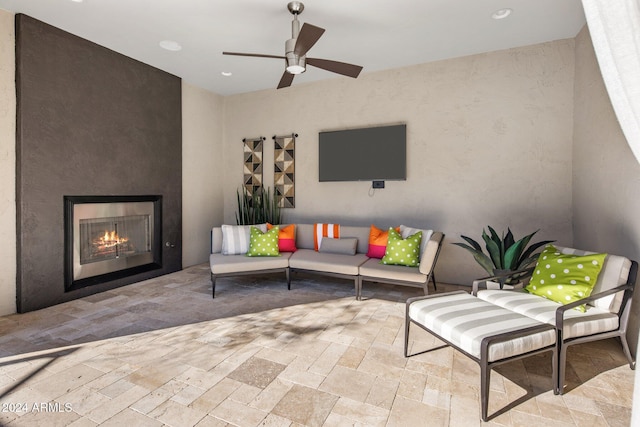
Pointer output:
x,y
365,154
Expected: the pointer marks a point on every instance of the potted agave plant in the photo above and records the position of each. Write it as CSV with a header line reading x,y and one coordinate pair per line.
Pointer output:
x,y
505,255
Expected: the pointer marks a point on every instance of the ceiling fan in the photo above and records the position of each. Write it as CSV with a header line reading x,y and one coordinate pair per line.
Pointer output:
x,y
296,48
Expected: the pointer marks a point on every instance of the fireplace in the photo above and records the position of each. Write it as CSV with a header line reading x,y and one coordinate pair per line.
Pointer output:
x,y
110,237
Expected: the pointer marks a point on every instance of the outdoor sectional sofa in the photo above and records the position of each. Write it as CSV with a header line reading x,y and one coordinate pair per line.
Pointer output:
x,y
344,258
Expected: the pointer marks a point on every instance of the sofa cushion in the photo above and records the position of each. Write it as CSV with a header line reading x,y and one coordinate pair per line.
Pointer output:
x,y
264,244
373,269
226,264
344,246
308,259
576,323
235,238
286,237
565,278
402,251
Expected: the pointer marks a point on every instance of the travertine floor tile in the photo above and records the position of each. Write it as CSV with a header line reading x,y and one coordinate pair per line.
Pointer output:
x,y
257,372
163,353
306,406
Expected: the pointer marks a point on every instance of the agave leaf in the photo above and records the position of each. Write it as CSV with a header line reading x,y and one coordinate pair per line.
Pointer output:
x,y
529,251
493,249
508,240
494,236
473,243
512,255
482,259
499,243
527,262
467,247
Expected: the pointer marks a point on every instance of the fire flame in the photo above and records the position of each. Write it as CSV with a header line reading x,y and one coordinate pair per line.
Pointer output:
x,y
111,239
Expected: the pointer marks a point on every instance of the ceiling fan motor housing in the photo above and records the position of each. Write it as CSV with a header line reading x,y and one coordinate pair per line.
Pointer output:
x,y
295,64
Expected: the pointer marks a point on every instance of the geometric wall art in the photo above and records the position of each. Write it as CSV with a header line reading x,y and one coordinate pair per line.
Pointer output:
x,y
284,170
253,164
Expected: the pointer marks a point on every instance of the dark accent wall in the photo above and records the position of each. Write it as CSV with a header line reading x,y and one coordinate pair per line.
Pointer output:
x,y
90,121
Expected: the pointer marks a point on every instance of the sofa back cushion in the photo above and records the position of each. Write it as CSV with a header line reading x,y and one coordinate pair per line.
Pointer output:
x,y
305,239
216,240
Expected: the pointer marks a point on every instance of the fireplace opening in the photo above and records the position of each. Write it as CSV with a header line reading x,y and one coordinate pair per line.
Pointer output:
x,y
111,237
104,239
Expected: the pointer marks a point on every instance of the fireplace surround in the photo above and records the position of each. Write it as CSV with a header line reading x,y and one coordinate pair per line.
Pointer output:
x,y
110,237
118,132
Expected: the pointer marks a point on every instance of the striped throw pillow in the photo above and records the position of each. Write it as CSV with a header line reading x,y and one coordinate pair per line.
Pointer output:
x,y
324,230
235,238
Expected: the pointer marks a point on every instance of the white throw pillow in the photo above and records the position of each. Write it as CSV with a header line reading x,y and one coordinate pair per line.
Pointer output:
x,y
410,231
236,238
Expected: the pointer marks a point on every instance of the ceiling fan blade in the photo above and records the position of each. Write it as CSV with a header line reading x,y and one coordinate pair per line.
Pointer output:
x,y
258,55
286,80
308,36
336,66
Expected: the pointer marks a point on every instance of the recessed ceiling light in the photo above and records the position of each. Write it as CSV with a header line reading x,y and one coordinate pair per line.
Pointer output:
x,y
170,45
227,73
501,13
77,1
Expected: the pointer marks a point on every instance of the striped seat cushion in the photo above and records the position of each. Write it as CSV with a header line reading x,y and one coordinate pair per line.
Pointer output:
x,y
464,321
576,323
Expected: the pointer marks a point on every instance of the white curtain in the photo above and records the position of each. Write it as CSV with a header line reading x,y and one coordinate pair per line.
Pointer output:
x,y
615,30
614,26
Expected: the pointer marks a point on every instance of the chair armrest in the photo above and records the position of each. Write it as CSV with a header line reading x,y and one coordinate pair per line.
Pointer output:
x,y
506,275
560,310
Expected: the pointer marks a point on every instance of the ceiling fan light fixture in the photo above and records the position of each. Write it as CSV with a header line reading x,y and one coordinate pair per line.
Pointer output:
x,y
295,69
295,65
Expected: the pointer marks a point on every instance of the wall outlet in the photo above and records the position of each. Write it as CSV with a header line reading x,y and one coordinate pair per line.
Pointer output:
x,y
378,184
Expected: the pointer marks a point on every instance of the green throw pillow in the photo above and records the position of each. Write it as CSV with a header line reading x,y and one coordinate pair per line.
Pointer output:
x,y
565,278
263,244
402,251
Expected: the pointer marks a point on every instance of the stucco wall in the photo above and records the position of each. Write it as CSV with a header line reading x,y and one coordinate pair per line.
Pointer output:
x,y
489,142
202,171
606,194
7,165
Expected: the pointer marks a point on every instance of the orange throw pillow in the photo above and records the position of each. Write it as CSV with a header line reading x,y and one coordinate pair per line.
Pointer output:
x,y
286,238
378,241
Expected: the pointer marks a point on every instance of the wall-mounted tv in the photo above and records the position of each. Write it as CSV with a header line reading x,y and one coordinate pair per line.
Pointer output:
x,y
365,154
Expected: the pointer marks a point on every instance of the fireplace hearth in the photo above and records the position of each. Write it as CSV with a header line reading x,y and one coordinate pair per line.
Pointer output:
x,y
111,237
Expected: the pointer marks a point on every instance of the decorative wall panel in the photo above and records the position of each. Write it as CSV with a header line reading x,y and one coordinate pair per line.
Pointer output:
x,y
253,163
284,170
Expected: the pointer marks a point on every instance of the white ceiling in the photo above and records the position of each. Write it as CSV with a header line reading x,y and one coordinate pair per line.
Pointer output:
x,y
377,34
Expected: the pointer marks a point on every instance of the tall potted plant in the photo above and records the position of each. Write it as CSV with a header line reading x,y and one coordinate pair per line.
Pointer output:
x,y
257,207
504,254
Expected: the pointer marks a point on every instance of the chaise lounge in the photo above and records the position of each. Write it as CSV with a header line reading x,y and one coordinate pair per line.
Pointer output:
x,y
496,326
